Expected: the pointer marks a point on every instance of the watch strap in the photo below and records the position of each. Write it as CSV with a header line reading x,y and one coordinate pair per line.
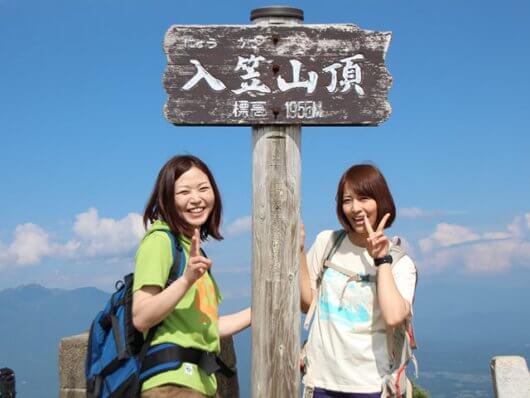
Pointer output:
x,y
383,260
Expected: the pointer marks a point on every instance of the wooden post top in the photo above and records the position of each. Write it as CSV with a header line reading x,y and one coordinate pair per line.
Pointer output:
x,y
286,13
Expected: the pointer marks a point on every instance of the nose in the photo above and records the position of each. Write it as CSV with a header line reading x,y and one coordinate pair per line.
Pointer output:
x,y
355,206
195,197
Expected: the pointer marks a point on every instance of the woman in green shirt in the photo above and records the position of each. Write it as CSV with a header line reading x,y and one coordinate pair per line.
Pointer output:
x,y
185,202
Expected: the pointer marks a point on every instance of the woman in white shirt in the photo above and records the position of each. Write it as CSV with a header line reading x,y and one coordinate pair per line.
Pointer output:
x,y
347,353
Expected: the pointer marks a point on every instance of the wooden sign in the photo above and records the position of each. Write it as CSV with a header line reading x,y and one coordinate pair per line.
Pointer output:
x,y
256,75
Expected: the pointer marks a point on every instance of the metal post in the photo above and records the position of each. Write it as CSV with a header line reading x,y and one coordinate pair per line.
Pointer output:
x,y
275,254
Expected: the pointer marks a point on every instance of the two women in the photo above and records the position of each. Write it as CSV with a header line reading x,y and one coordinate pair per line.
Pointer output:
x,y
358,290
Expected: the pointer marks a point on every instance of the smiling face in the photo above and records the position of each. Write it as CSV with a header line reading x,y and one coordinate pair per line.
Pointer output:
x,y
356,207
194,198
362,190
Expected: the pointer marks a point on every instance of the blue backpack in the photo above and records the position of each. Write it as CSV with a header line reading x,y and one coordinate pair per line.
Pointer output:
x,y
119,359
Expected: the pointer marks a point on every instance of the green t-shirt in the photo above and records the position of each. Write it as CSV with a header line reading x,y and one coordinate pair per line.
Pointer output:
x,y
193,322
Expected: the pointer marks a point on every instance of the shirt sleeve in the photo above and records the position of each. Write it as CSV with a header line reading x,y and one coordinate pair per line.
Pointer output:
x,y
315,256
404,273
153,261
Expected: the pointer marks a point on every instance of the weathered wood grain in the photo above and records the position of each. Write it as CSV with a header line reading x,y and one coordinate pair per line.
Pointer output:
x,y
275,294
217,48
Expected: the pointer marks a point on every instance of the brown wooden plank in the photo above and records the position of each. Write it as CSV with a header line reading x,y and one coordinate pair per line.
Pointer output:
x,y
323,50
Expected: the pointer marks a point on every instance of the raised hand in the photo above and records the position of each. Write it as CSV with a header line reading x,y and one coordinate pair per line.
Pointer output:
x,y
197,264
377,241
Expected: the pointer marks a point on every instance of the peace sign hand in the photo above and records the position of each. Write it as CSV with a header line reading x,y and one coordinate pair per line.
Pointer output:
x,y
197,264
378,243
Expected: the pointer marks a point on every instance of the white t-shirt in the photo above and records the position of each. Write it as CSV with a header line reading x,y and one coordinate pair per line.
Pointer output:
x,y
347,349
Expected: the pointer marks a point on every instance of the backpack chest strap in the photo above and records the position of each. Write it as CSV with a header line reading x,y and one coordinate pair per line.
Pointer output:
x,y
352,276
167,356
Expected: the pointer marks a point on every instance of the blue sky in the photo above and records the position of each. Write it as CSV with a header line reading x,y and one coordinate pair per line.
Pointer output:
x,y
83,137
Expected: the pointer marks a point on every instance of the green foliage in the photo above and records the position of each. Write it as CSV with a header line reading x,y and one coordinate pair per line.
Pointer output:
x,y
419,392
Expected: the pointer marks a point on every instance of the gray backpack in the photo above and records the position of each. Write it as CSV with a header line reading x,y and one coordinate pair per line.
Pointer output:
x,y
400,340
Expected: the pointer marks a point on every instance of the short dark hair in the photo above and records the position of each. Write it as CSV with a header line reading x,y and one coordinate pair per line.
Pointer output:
x,y
161,203
366,180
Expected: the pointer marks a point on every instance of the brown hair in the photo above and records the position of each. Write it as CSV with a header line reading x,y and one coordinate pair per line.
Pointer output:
x,y
161,203
366,180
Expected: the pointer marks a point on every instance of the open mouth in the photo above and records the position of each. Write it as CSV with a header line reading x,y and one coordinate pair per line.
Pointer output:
x,y
196,210
358,220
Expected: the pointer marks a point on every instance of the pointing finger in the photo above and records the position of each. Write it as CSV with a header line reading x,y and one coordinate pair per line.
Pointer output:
x,y
195,249
383,221
368,226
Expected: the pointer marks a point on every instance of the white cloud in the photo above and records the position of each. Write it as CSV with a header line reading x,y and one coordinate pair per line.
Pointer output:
x,y
415,212
412,212
97,236
474,257
456,245
520,227
30,244
496,235
447,235
239,226
93,236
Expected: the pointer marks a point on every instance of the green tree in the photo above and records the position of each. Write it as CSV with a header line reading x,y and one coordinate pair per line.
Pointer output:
x,y
419,392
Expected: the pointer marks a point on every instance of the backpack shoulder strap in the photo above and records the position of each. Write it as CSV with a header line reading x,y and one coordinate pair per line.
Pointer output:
x,y
401,343
179,259
331,248
177,268
397,252
333,244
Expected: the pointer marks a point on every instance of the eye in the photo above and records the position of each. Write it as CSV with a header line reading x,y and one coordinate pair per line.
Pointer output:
x,y
182,192
346,200
204,189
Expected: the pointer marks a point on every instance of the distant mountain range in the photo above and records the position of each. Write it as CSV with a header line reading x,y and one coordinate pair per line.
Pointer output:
x,y
33,319
459,329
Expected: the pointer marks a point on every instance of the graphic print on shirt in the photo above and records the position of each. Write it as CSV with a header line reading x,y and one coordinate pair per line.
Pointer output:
x,y
346,312
206,301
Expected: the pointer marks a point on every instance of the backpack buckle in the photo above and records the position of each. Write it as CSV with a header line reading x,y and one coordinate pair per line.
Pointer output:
x,y
208,363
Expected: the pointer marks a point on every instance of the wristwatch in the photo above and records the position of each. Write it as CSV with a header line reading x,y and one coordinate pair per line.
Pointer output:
x,y
383,260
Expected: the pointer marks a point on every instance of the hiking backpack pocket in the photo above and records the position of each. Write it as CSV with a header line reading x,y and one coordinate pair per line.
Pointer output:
x,y
112,367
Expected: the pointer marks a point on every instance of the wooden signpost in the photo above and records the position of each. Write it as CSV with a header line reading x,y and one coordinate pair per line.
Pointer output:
x,y
280,74
276,75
